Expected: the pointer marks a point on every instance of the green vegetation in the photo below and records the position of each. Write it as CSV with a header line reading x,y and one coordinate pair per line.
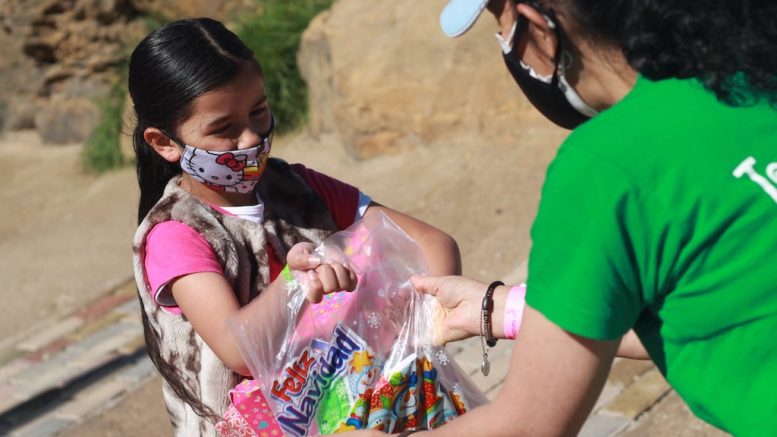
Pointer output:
x,y
274,35
102,151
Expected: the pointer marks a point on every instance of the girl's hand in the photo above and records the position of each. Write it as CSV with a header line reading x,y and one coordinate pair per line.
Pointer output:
x,y
319,278
457,312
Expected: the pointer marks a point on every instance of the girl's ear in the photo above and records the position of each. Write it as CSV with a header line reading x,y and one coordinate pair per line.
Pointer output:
x,y
538,44
162,144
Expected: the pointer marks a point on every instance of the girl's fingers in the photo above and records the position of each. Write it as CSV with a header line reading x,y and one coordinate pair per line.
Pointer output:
x,y
328,278
314,287
301,257
346,279
336,277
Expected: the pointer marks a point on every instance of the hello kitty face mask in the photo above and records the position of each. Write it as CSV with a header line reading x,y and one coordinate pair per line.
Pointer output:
x,y
236,171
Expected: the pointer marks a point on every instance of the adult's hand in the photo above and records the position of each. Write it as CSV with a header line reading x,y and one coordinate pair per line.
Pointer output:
x,y
457,312
457,306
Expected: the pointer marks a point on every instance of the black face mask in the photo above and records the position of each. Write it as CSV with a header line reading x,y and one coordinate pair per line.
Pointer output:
x,y
546,97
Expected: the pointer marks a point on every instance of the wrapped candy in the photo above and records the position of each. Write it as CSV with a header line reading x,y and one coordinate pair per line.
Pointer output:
x,y
359,360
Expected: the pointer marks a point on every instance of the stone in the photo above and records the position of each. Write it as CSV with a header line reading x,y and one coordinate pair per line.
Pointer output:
x,y
603,426
639,396
55,51
20,113
168,10
67,121
58,73
402,83
672,417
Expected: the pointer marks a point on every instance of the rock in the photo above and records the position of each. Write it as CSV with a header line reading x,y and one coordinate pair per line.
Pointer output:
x,y
55,51
20,113
21,78
58,73
168,10
67,121
382,76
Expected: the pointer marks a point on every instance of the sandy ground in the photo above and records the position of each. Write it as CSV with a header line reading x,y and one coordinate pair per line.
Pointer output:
x,y
64,235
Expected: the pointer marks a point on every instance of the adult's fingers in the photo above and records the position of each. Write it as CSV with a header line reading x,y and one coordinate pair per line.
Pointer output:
x,y
426,284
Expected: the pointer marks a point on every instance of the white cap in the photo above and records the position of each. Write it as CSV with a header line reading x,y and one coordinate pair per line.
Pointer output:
x,y
459,15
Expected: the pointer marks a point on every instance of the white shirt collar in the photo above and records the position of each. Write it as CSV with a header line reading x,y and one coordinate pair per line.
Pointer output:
x,y
254,213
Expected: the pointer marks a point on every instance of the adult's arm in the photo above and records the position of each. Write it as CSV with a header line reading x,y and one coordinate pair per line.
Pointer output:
x,y
552,384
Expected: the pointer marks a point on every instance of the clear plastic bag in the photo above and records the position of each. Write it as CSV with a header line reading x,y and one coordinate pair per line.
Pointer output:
x,y
357,360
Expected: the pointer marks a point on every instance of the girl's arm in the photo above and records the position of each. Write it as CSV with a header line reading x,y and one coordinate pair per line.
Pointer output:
x,y
207,301
440,249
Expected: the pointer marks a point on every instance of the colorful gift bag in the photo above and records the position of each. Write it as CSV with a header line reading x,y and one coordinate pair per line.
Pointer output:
x,y
360,360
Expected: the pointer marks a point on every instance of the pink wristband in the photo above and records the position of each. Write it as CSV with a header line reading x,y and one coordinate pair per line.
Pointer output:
x,y
516,300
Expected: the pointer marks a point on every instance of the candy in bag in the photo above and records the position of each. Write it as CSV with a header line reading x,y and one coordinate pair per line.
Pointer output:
x,y
359,360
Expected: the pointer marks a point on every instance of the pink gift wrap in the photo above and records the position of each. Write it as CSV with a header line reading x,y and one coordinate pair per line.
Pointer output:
x,y
249,414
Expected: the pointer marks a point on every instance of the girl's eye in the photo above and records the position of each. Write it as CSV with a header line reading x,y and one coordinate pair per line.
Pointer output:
x,y
258,111
224,132
222,129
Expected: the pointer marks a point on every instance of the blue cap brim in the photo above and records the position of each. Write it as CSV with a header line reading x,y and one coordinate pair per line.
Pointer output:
x,y
459,15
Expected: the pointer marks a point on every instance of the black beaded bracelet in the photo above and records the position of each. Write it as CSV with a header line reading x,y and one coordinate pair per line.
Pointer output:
x,y
487,309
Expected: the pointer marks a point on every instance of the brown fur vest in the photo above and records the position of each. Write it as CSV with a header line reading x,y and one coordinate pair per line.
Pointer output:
x,y
293,213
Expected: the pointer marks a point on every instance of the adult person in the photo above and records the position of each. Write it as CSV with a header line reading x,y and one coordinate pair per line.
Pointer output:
x,y
659,212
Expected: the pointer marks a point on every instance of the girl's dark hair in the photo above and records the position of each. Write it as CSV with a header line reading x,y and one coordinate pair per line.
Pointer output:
x,y
168,70
729,45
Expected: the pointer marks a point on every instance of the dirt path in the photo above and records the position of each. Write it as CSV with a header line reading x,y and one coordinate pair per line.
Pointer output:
x,y
64,235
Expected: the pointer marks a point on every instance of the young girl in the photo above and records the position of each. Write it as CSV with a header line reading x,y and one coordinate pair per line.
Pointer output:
x,y
219,218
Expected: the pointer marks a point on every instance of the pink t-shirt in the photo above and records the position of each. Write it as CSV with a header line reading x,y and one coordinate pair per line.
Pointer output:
x,y
174,249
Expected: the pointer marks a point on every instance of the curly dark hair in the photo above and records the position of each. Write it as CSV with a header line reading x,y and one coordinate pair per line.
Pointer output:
x,y
728,45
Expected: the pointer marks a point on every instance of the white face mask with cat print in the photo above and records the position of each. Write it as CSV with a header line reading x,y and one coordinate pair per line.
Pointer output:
x,y
236,171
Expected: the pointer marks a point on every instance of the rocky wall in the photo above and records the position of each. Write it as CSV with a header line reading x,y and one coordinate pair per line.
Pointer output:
x,y
383,77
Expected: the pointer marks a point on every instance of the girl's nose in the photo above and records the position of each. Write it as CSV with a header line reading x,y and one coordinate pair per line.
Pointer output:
x,y
248,139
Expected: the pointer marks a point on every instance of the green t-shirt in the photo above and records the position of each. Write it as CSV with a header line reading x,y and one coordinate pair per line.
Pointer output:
x,y
661,214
